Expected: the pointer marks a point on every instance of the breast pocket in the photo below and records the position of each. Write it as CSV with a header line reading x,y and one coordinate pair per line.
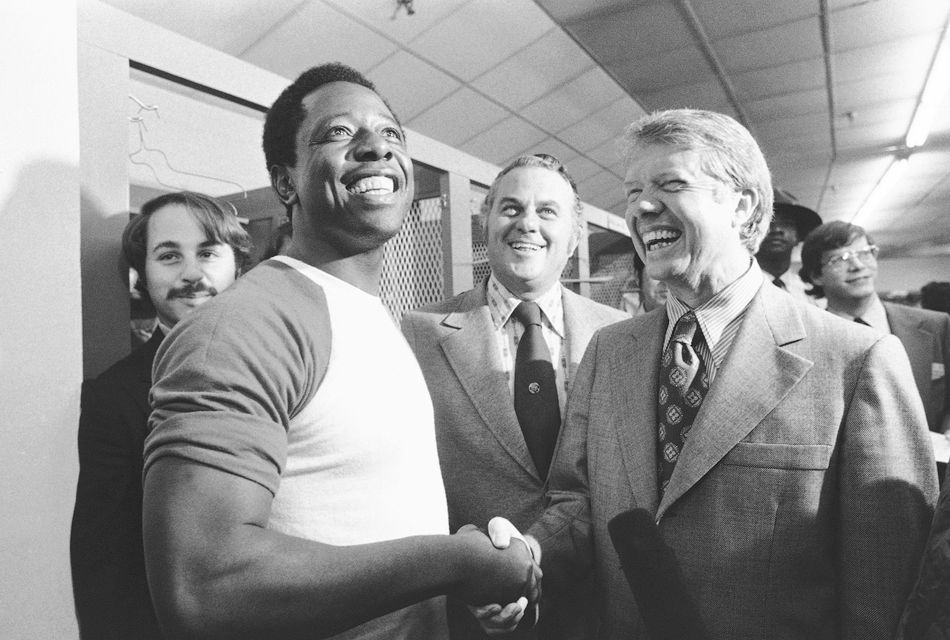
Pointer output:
x,y
779,456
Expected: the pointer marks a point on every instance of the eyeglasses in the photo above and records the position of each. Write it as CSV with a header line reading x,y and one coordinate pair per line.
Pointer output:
x,y
866,256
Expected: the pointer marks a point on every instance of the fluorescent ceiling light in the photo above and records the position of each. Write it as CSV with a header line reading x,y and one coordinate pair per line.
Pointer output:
x,y
935,88
871,204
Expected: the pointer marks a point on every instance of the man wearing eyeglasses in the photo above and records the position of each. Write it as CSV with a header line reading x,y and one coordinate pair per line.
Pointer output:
x,y
840,261
497,410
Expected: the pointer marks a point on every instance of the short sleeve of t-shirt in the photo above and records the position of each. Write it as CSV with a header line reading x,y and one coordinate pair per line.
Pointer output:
x,y
231,375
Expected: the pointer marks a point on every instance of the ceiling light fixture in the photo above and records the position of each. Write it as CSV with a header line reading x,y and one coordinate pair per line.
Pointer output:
x,y
884,186
935,88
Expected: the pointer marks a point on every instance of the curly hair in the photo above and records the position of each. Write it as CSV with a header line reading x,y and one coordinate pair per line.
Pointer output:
x,y
729,153
218,221
285,116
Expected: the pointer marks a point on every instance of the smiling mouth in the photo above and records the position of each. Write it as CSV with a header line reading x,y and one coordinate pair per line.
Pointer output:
x,y
525,246
655,240
378,185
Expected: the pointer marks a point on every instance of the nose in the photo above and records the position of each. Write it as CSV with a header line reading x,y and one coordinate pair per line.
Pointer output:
x,y
528,220
191,271
371,146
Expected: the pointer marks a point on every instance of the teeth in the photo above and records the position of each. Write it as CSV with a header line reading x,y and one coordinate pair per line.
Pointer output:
x,y
524,246
373,184
654,240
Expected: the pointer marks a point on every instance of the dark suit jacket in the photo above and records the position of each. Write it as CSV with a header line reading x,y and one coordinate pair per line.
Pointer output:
x,y
108,563
802,499
486,466
926,337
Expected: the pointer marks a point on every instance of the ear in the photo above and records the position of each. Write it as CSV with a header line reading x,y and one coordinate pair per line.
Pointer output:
x,y
283,184
578,232
745,207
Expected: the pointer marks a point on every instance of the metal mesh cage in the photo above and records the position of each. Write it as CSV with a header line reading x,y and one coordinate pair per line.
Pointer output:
x,y
412,267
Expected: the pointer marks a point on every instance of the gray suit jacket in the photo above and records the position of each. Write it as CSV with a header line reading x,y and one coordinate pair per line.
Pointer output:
x,y
801,501
926,337
485,463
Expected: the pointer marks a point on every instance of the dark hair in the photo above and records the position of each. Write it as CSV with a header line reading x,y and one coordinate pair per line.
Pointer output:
x,y
935,296
825,237
285,116
218,221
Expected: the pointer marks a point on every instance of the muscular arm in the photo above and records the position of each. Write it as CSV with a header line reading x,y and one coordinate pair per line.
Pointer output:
x,y
887,490
215,570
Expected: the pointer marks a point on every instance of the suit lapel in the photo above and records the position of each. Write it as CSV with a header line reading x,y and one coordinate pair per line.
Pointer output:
x,y
632,373
756,374
917,341
578,328
470,350
143,382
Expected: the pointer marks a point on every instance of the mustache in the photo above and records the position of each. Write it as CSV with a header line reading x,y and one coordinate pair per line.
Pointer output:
x,y
190,290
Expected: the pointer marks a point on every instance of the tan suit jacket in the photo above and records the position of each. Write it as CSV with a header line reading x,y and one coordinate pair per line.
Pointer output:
x,y
800,504
485,463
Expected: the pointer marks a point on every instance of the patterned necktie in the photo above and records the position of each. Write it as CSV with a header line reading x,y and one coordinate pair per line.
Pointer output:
x,y
860,321
682,386
536,403
778,282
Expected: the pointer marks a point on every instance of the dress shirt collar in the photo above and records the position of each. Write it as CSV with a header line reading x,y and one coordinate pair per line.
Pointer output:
x,y
875,315
502,303
715,314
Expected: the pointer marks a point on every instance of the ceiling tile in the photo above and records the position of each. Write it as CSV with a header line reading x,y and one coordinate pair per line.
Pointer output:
x,y
860,24
392,21
481,34
702,95
622,35
599,187
227,26
507,138
856,96
442,121
722,18
529,73
786,105
908,57
800,40
606,124
582,167
553,146
686,65
409,99
792,78
290,48
608,155
872,137
573,11
574,100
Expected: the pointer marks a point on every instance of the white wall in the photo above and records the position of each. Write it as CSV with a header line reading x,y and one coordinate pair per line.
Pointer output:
x,y
40,311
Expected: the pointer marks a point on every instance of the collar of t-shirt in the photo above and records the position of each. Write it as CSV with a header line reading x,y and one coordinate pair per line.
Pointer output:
x,y
508,331
875,315
719,317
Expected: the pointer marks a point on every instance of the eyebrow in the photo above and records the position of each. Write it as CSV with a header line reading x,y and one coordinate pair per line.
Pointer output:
x,y
171,244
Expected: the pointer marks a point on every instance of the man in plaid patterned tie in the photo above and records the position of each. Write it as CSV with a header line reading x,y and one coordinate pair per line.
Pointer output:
x,y
810,435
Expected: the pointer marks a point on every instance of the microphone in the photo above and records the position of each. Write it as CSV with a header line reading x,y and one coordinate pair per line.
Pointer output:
x,y
655,578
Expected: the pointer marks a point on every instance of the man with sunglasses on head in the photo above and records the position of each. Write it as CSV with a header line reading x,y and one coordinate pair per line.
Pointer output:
x,y
840,261
497,416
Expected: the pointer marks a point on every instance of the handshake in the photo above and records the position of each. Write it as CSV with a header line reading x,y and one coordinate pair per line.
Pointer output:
x,y
504,568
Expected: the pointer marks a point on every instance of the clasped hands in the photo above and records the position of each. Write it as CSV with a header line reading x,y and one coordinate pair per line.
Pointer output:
x,y
506,573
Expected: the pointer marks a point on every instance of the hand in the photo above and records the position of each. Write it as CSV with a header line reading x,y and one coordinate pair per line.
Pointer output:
x,y
496,575
493,618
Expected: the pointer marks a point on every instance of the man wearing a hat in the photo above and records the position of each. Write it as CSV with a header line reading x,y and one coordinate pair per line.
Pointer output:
x,y
790,224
